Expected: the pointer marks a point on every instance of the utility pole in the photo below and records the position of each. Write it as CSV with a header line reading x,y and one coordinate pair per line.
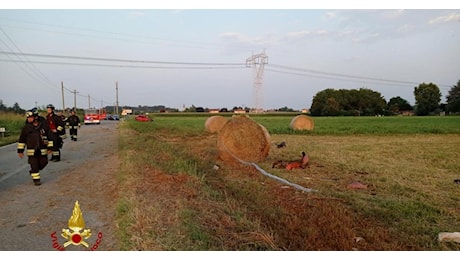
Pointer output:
x,y
116,98
257,62
62,90
89,102
75,100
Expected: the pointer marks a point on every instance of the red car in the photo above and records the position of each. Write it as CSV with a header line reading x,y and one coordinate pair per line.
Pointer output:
x,y
142,118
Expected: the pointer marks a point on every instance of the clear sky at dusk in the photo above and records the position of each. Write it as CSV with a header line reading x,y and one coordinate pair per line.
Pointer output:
x,y
184,56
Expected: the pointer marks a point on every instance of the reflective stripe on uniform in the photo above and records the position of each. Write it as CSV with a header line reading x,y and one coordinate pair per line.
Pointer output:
x,y
44,151
59,128
21,146
30,152
50,144
35,176
55,153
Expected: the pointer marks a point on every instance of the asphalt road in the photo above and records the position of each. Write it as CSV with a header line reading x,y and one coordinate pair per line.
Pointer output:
x,y
32,218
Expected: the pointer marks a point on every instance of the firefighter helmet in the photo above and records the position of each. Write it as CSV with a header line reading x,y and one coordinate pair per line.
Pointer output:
x,y
34,111
29,113
50,106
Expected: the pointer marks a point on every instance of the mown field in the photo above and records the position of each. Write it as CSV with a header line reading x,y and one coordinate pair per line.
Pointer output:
x,y
171,198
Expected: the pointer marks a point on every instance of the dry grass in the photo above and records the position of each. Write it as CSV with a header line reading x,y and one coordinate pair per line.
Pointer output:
x,y
302,122
214,123
176,201
244,138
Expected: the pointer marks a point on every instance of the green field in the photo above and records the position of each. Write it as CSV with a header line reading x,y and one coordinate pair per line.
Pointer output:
x,y
279,124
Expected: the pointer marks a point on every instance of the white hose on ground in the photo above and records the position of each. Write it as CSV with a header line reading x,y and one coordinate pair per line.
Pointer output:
x,y
297,186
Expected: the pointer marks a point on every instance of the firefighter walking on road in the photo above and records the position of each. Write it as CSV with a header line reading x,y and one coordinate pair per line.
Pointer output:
x,y
63,134
57,128
36,138
73,123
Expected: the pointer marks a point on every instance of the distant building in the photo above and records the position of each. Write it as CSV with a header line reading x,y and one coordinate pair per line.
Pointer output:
x,y
213,110
407,112
239,111
126,112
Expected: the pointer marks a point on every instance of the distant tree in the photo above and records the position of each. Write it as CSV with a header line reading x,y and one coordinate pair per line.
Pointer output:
x,y
17,108
370,102
331,108
285,109
240,108
427,98
2,106
190,109
348,102
320,101
453,99
397,104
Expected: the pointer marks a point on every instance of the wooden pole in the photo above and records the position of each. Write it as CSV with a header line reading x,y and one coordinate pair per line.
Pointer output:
x,y
62,90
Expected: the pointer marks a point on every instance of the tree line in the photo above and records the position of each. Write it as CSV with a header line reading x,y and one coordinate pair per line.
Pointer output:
x,y
347,102
366,102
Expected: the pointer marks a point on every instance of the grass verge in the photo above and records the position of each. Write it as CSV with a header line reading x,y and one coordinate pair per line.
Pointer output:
x,y
172,199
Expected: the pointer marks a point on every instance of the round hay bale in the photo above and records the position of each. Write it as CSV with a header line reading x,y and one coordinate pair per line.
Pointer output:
x,y
214,123
302,122
243,138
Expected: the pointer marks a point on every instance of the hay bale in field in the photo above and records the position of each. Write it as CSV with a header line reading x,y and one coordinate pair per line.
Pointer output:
x,y
243,138
214,123
302,122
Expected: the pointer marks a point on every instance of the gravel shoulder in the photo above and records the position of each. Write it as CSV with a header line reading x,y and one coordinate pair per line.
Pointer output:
x,y
32,217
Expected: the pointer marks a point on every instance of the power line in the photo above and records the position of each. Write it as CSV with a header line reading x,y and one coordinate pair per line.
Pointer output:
x,y
30,68
29,64
124,60
201,65
338,76
124,66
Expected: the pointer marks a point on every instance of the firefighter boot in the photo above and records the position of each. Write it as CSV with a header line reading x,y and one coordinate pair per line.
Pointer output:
x,y
56,156
36,178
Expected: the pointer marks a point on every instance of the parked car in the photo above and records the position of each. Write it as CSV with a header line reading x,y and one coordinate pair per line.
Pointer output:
x,y
113,117
142,118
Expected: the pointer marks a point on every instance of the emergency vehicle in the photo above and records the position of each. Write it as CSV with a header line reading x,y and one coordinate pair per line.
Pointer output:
x,y
92,116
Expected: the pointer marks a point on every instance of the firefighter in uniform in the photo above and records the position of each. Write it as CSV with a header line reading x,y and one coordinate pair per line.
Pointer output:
x,y
63,134
73,123
35,136
57,128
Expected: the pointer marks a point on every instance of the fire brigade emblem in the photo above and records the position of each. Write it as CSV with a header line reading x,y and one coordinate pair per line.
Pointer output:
x,y
76,234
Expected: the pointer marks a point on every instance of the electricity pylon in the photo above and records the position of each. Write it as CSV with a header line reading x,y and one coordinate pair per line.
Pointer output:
x,y
257,62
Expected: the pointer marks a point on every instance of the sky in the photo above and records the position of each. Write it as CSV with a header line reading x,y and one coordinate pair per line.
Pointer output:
x,y
253,56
